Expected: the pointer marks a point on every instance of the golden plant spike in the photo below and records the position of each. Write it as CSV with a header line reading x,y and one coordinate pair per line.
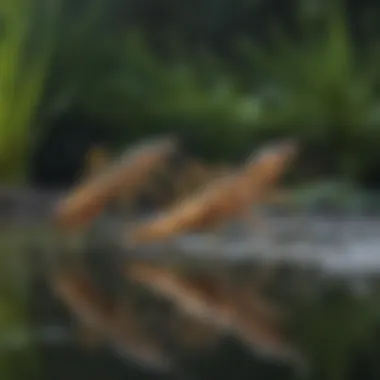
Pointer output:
x,y
126,175
224,198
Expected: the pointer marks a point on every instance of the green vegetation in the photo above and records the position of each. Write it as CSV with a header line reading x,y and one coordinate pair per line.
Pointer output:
x,y
319,84
326,91
27,40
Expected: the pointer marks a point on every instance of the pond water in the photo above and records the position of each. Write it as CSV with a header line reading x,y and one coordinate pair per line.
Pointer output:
x,y
347,247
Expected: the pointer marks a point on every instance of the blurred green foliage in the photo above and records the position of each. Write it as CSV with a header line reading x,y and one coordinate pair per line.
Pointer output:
x,y
313,80
325,89
150,94
320,86
26,43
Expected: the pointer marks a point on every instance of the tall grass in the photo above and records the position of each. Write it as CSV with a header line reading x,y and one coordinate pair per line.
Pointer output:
x,y
27,39
27,42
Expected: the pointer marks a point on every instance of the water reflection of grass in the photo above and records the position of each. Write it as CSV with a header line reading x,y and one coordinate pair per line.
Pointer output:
x,y
18,360
336,325
331,325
